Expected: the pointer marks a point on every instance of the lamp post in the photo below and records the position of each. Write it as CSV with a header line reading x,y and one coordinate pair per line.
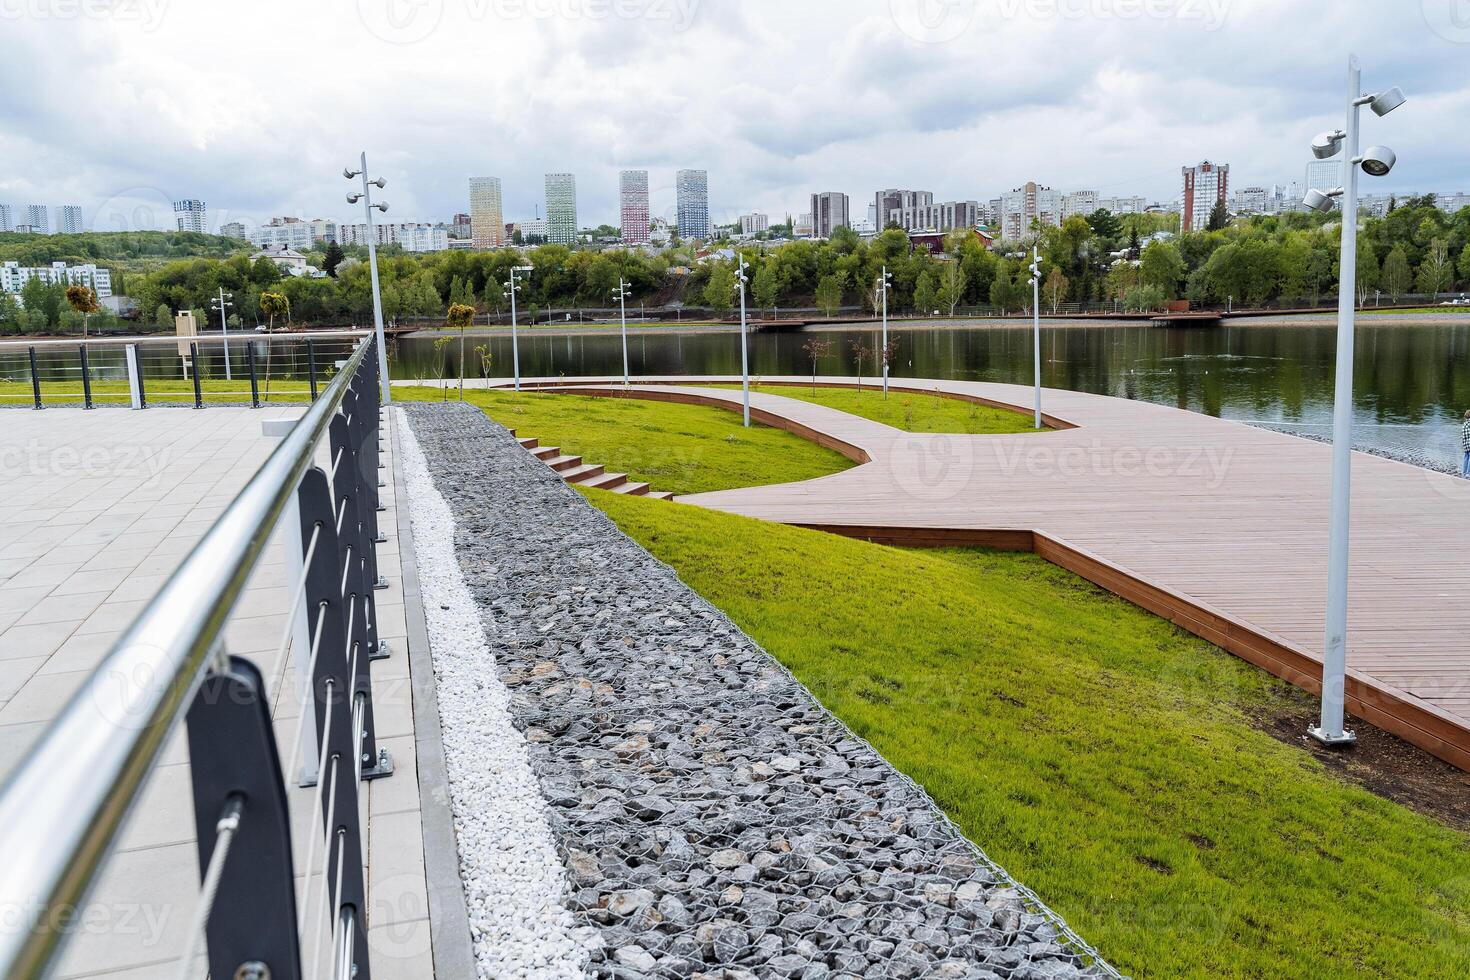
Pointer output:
x,y
511,288
1036,327
366,197
885,279
1375,161
222,303
622,296
740,279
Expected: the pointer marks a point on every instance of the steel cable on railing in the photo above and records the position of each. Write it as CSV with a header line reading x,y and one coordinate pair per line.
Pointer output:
x,y
336,896
225,830
306,694
316,804
316,952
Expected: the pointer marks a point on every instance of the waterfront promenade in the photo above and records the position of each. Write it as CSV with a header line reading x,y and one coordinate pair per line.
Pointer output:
x,y
1219,526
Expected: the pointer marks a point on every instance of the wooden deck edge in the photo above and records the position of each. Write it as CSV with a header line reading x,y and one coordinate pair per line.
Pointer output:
x,y
1382,705
1049,421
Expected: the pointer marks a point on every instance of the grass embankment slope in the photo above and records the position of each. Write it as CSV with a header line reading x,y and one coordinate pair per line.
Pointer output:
x,y
912,412
1103,756
678,448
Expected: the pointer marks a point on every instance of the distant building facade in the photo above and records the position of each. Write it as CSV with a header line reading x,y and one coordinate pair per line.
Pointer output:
x,y
829,212
232,229
691,194
487,218
413,236
633,206
561,208
7,218
1079,203
1123,205
69,220
38,218
461,226
14,276
189,215
754,223
282,233
1030,203
1204,185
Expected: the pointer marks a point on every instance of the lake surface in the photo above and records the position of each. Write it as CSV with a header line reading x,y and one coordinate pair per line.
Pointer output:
x,y
1411,383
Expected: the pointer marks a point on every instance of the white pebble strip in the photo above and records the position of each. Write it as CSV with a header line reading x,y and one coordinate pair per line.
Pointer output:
x,y
514,881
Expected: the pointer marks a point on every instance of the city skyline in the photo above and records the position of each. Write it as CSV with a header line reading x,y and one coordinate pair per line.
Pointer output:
x,y
1134,100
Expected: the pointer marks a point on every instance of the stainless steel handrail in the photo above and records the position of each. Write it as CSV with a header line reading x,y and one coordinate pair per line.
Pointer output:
x,y
168,338
62,805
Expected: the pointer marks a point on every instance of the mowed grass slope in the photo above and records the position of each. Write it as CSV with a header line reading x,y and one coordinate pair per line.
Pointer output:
x,y
1103,756
679,448
907,410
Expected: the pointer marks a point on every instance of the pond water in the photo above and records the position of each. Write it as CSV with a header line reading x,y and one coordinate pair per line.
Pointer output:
x,y
1412,382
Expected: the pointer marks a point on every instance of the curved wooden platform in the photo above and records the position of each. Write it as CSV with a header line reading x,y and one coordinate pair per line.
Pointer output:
x,y
1219,526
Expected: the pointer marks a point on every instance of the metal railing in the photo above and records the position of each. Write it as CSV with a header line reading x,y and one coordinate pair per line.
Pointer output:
x,y
135,370
62,806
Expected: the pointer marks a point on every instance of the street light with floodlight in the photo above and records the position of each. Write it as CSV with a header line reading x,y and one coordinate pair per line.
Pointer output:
x,y
366,197
223,304
511,288
621,294
740,280
1036,327
885,281
1376,161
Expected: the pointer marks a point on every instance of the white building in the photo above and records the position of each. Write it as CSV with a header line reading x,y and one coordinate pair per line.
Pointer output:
x,y
1031,202
1451,203
232,229
1252,200
1203,186
754,223
1123,205
1080,203
282,233
561,208
414,236
69,220
14,276
7,219
803,226
38,217
487,219
633,206
189,215
323,230
288,260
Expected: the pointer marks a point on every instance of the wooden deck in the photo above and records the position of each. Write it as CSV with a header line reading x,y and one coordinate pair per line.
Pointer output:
x,y
1219,526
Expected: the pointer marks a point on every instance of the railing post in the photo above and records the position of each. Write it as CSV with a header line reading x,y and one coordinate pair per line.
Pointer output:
x,y
254,382
311,366
194,371
235,770
135,376
86,378
35,378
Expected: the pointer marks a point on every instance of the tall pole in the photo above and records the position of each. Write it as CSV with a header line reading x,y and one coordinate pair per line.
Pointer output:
x,y
515,348
623,312
744,355
1334,657
224,328
372,237
883,284
1036,327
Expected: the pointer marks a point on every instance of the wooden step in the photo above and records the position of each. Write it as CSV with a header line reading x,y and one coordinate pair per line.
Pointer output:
x,y
632,489
564,462
528,443
579,473
660,495
545,452
608,481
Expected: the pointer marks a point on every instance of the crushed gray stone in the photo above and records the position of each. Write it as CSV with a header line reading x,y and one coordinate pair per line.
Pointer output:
x,y
714,820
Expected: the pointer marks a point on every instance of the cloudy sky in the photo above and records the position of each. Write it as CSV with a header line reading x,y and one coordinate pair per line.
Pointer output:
x,y
122,105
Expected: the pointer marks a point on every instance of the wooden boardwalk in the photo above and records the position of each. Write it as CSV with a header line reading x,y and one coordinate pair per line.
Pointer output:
x,y
1220,526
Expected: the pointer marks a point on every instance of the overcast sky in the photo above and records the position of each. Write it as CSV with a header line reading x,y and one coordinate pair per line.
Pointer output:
x,y
122,105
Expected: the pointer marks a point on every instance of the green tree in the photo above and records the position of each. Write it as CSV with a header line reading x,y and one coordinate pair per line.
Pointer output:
x,y
84,301
1054,289
274,305
952,283
829,294
1162,267
333,258
926,293
1396,277
1465,263
719,291
1436,272
764,288
163,317
1219,217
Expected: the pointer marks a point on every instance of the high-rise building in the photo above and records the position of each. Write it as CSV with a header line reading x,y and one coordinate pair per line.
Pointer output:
x,y
561,208
232,229
38,217
633,206
1324,175
1205,185
754,223
1079,203
1027,204
292,233
691,191
69,219
487,218
1252,200
460,227
829,212
14,276
1122,205
893,206
189,215
7,219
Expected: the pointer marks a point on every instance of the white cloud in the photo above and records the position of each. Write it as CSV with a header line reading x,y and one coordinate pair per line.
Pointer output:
x,y
255,107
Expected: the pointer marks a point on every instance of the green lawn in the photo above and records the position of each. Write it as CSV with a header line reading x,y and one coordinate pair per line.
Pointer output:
x,y
1100,754
907,411
678,448
156,391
